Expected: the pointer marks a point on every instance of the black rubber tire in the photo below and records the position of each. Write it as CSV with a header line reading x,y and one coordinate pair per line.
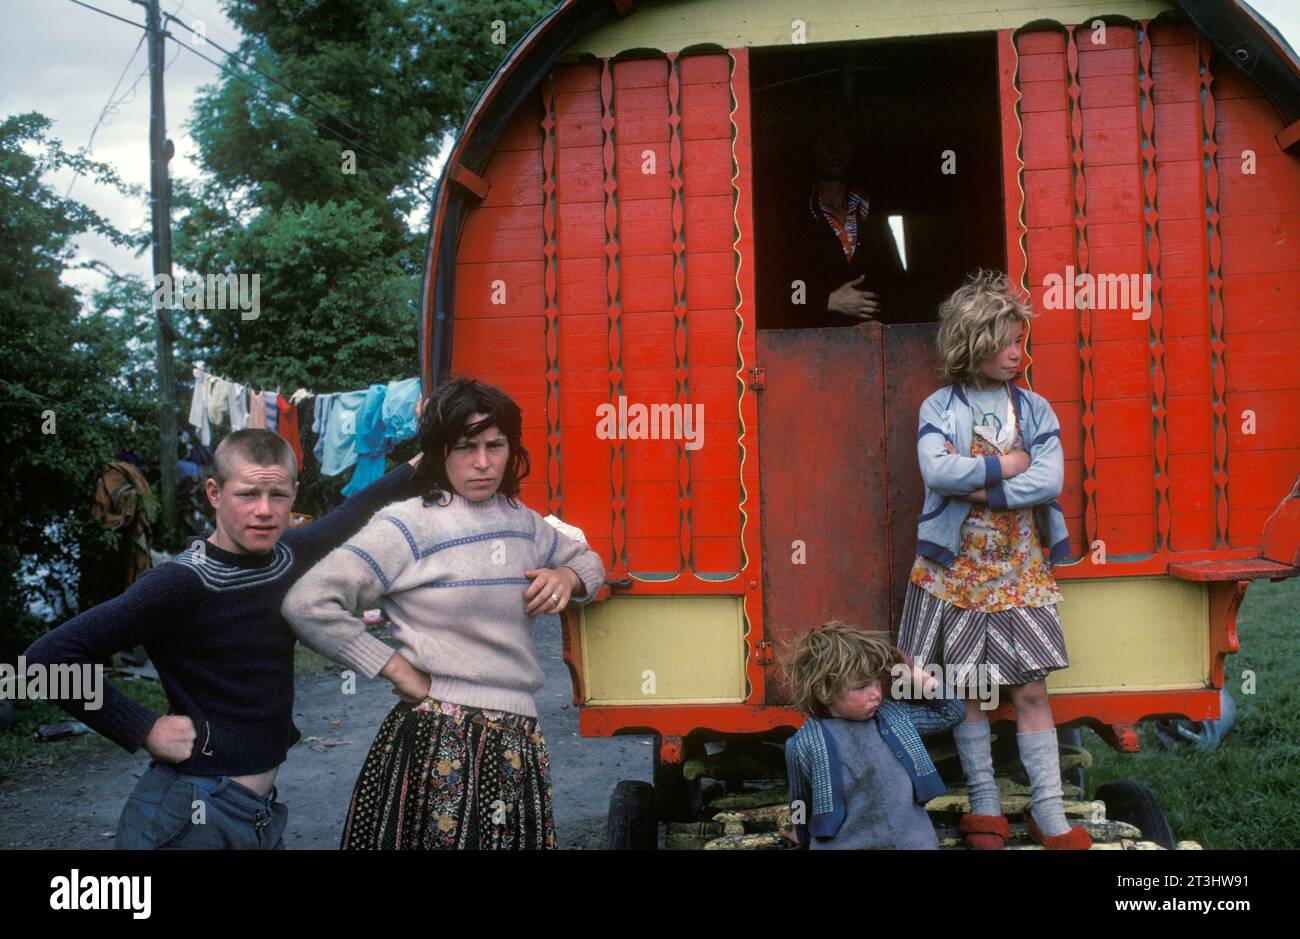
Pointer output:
x,y
632,824
1129,800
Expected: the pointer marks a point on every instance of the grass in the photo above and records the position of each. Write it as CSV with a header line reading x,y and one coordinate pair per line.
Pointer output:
x,y
1243,793
19,747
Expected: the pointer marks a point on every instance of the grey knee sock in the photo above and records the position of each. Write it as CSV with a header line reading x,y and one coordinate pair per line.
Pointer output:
x,y
1038,752
973,748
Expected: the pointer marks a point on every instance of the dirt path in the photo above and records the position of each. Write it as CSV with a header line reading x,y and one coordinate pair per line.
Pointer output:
x,y
75,804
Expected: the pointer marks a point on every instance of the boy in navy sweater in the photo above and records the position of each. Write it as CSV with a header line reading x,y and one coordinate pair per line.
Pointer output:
x,y
210,621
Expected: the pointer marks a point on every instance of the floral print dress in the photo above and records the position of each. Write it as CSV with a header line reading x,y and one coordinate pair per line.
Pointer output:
x,y
995,605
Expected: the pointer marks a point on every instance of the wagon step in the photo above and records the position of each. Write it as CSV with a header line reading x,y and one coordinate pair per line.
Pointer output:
x,y
759,828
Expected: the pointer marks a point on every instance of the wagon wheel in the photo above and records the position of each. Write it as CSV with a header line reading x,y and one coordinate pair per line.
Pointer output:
x,y
632,824
1129,800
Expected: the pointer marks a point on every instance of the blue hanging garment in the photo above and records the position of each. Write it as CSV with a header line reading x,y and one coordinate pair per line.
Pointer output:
x,y
340,450
369,440
272,399
321,408
400,421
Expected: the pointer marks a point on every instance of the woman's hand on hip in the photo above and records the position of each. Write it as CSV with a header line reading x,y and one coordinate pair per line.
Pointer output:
x,y
409,683
550,589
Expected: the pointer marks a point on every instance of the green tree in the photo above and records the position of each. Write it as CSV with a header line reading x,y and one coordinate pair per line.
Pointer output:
x,y
338,262
74,385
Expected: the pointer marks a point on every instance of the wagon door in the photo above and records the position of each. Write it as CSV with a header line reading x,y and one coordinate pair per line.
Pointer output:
x,y
839,481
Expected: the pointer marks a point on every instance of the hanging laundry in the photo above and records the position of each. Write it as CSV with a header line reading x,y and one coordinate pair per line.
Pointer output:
x,y
199,407
287,427
299,396
320,420
238,396
272,399
370,441
257,410
341,432
400,421
218,400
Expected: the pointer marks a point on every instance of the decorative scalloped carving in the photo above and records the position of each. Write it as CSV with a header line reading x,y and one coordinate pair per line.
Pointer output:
x,y
1155,323
554,496
1214,279
613,311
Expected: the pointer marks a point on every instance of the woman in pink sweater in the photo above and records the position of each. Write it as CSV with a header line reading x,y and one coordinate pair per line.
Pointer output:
x,y
460,572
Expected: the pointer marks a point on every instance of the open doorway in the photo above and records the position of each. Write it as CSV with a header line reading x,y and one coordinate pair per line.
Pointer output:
x,y
924,121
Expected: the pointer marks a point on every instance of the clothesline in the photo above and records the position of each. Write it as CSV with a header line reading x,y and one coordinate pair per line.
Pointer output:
x,y
351,427
208,371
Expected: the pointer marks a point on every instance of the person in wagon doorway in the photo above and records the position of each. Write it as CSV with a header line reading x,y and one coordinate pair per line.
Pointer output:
x,y
460,570
840,265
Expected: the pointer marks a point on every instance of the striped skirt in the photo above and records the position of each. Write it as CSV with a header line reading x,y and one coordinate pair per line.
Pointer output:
x,y
1017,646
440,775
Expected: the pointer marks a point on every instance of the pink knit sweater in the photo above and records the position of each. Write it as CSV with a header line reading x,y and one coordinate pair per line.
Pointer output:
x,y
450,578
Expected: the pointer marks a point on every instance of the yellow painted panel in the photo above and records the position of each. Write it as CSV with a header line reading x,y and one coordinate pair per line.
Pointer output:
x,y
664,650
672,25
1133,634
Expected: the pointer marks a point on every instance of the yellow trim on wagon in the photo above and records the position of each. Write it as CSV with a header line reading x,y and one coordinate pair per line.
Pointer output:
x,y
673,25
1134,634
664,650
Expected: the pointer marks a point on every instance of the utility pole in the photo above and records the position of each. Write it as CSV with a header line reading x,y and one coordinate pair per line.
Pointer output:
x,y
160,151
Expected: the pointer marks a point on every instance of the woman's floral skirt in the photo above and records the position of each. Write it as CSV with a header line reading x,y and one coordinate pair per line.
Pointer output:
x,y
440,775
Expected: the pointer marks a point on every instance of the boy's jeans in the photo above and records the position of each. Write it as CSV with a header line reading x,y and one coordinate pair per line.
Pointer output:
x,y
168,809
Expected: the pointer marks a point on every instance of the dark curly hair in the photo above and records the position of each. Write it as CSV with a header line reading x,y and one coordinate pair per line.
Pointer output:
x,y
446,419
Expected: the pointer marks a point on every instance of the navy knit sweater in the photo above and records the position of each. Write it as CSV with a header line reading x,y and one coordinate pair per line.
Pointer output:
x,y
211,624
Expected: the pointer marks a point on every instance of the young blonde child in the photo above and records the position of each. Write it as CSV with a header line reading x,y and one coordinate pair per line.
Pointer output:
x,y
981,594
859,774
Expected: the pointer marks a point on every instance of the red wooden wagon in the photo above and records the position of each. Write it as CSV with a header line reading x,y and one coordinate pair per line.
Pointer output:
x,y
595,244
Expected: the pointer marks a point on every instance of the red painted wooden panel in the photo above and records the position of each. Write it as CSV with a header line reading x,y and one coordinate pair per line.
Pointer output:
x,y
1138,366
1189,424
522,132
578,175
581,291
521,281
512,176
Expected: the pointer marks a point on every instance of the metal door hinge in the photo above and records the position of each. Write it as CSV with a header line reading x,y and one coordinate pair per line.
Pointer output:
x,y
757,378
764,653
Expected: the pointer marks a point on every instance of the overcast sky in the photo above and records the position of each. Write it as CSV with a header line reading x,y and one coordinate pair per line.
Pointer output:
x,y
63,60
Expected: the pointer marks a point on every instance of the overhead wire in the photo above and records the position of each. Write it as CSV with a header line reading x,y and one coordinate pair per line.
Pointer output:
x,y
108,105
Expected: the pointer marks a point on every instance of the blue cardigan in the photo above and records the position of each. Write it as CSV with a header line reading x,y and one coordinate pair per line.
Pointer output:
x,y
946,416
813,766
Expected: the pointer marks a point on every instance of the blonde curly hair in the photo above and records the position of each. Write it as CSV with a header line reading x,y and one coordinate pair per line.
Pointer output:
x,y
823,663
976,321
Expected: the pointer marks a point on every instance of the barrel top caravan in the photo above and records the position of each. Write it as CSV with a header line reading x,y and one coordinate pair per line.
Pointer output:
x,y
601,245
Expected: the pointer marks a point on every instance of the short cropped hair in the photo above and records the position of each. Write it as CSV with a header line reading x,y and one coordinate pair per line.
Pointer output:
x,y
825,662
256,445
446,418
974,323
